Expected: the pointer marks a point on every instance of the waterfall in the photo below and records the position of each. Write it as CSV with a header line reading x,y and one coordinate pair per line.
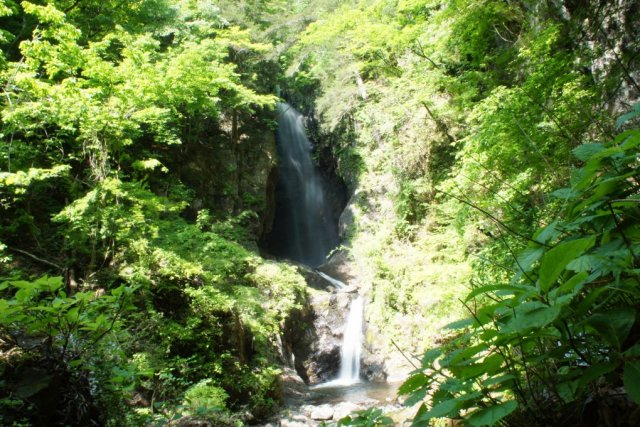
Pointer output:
x,y
335,282
302,229
351,349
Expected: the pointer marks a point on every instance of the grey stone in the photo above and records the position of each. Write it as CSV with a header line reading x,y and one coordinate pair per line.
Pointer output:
x,y
322,412
345,408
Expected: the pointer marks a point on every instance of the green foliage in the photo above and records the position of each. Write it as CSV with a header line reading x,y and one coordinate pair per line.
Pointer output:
x,y
205,395
561,328
108,110
128,130
53,336
371,417
468,117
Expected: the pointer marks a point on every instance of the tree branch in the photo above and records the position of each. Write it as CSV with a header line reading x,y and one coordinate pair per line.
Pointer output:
x,y
32,256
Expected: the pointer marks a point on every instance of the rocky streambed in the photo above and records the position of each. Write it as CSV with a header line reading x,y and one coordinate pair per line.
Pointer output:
x,y
313,405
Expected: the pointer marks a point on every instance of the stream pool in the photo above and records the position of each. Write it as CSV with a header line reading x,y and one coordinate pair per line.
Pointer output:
x,y
361,392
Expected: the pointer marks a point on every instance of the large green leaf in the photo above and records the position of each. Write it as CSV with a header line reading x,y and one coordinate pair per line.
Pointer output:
x,y
463,354
548,233
413,383
565,293
631,379
531,315
555,261
529,256
628,116
430,356
503,289
585,151
459,324
613,326
491,415
489,366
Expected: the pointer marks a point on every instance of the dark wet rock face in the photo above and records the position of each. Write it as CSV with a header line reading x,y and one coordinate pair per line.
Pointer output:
x,y
314,336
337,266
317,356
373,368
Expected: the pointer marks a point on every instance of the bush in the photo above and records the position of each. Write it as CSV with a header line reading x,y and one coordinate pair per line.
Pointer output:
x,y
205,395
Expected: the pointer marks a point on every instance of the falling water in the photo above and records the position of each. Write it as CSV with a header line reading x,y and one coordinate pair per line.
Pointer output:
x,y
302,229
335,282
351,349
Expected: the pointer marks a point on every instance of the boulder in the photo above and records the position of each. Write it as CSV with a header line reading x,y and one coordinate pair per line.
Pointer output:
x,y
338,266
321,413
323,359
343,409
373,368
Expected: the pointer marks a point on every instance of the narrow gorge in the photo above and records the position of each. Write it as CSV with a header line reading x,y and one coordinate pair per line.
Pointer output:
x,y
325,381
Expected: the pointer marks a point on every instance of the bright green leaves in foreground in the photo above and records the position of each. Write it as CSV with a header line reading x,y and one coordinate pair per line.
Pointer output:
x,y
74,337
563,326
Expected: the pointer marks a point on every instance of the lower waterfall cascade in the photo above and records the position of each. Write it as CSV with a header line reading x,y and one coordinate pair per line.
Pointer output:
x,y
351,349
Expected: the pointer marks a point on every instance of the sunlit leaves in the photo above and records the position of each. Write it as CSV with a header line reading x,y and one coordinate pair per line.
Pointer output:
x,y
575,324
66,325
556,260
491,415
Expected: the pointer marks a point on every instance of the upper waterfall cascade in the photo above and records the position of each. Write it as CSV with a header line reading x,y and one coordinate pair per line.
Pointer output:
x,y
303,229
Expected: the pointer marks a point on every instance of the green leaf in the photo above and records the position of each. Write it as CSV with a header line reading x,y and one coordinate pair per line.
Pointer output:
x,y
447,408
459,324
628,116
430,356
418,419
565,193
555,260
565,293
506,289
568,390
498,380
413,383
346,421
488,366
585,151
631,380
73,315
529,256
633,351
416,396
531,315
596,371
385,421
548,233
585,263
463,355
491,415
613,326
573,283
